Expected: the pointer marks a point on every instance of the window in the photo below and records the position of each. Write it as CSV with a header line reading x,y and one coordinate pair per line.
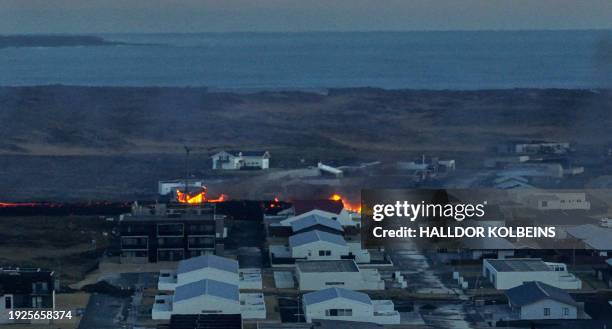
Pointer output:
x,y
8,302
37,302
324,252
546,311
334,283
339,312
566,311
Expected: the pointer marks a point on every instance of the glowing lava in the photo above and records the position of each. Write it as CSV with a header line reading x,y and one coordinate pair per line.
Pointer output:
x,y
197,198
346,204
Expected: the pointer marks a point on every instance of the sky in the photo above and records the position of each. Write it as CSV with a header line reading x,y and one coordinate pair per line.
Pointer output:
x,y
153,16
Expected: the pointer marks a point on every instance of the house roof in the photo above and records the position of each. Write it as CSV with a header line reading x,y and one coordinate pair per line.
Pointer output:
x,y
313,220
490,243
519,265
257,153
331,293
314,236
206,287
212,261
535,291
595,237
303,206
327,266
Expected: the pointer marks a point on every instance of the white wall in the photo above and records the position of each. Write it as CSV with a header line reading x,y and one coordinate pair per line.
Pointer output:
x,y
508,280
4,315
535,311
310,251
206,304
361,311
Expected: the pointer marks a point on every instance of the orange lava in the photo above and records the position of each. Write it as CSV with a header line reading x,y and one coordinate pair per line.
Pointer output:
x,y
197,198
346,204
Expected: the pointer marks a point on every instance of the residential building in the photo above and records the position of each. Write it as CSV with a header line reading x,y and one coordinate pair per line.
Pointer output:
x,y
241,160
348,305
318,245
592,237
210,267
489,247
26,288
534,147
509,273
321,274
604,272
315,237
538,301
169,187
553,200
170,233
209,285
326,208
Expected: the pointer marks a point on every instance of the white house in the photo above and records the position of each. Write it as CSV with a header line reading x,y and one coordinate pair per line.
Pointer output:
x,y
318,245
200,297
539,301
321,274
594,237
170,186
316,222
236,160
198,268
348,305
555,200
509,273
342,216
209,284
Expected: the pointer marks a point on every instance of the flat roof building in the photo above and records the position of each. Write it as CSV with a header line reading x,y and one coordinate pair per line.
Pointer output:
x,y
321,274
509,273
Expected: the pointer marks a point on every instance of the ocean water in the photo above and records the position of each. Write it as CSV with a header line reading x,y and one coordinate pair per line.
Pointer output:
x,y
254,61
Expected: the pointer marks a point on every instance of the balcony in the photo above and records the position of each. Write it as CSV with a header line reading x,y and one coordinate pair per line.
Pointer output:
x,y
134,243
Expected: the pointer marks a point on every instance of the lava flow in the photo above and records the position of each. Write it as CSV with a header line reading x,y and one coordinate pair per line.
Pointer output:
x,y
197,198
346,204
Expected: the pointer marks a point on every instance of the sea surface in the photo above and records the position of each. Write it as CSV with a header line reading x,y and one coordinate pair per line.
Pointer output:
x,y
319,60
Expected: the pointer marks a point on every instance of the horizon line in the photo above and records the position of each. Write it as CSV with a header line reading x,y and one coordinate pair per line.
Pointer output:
x,y
317,31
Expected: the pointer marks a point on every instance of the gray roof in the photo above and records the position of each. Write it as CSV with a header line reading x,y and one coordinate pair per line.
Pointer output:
x,y
245,153
206,287
315,266
212,261
595,237
490,243
519,265
313,220
313,236
535,291
331,293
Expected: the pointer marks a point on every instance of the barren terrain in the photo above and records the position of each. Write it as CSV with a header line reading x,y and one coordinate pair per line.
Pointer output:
x,y
115,143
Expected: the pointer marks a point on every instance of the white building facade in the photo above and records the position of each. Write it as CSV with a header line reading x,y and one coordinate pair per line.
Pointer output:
x,y
318,275
348,305
236,160
509,273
